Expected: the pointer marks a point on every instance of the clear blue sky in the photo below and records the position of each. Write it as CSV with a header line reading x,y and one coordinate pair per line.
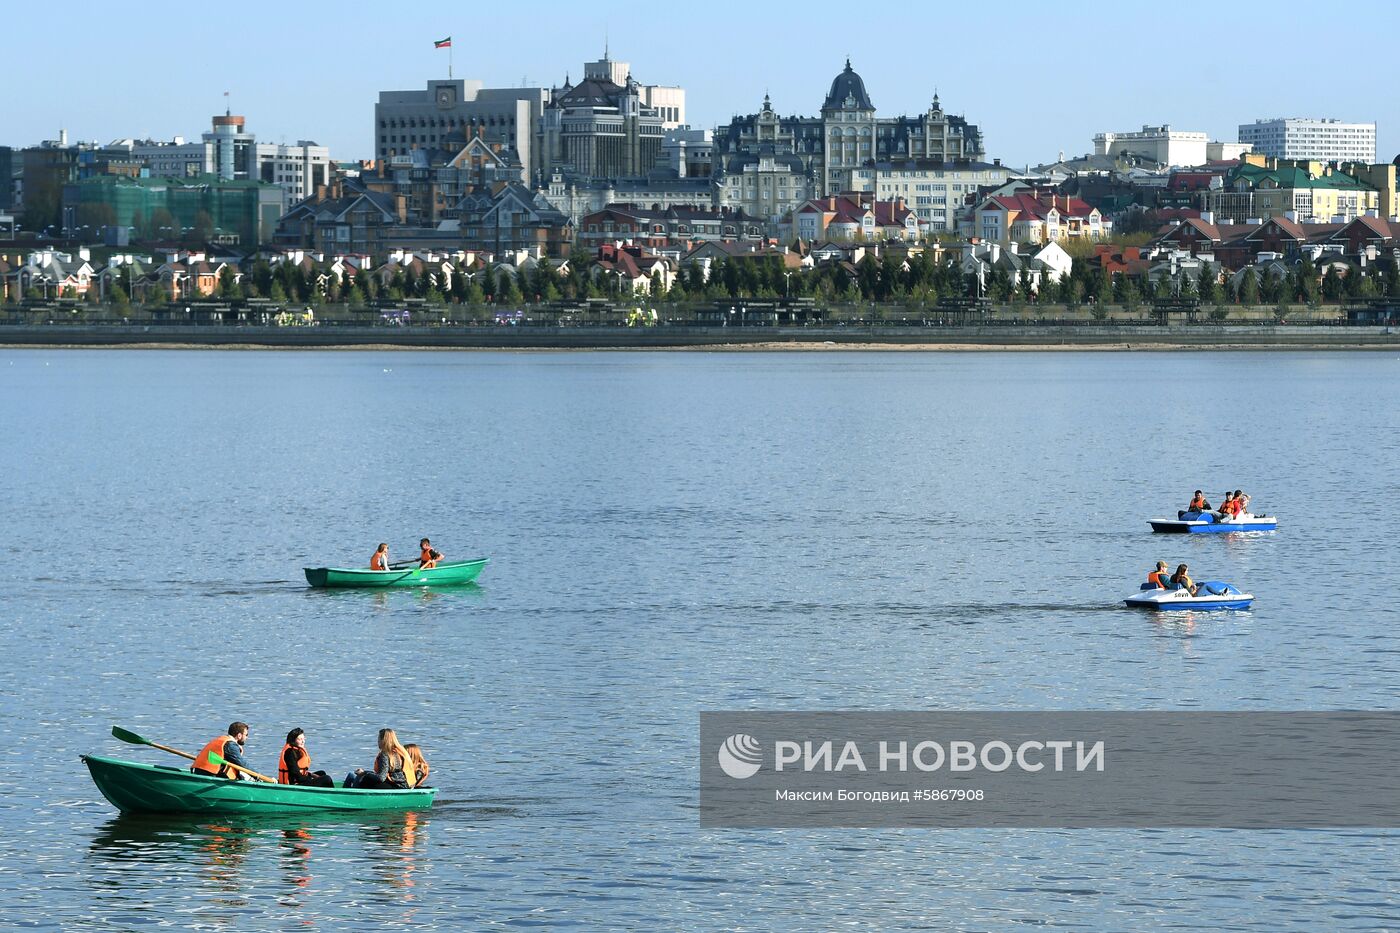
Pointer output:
x,y
1039,79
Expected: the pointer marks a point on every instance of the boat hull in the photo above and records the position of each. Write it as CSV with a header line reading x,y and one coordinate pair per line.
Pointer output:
x,y
1211,525
453,574
1170,600
140,788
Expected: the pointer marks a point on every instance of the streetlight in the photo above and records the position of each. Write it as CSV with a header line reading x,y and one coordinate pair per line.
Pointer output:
x,y
788,292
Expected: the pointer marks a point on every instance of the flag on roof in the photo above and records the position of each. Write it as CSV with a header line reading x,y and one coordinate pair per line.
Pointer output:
x,y
443,43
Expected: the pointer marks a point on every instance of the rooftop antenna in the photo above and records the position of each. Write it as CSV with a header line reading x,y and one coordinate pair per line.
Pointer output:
x,y
227,110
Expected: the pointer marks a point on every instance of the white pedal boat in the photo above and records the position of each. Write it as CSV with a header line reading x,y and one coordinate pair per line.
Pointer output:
x,y
1210,594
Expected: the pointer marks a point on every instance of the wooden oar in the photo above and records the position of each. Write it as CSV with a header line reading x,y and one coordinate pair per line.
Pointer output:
x,y
218,759
134,739
402,563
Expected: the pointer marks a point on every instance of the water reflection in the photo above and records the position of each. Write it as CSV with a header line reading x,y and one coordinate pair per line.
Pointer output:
x,y
393,854
389,598
221,854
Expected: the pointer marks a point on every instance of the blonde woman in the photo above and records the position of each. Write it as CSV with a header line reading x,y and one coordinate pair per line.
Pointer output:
x,y
420,764
393,768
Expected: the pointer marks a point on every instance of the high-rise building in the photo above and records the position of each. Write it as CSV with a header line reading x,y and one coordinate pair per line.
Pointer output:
x,y
1327,140
408,120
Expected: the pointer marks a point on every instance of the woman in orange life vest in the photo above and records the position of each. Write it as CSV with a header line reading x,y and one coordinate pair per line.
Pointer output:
x,y
1159,577
294,767
429,558
393,768
420,764
229,746
380,559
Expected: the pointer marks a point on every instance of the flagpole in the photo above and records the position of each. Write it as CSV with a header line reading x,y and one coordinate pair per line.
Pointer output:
x,y
449,60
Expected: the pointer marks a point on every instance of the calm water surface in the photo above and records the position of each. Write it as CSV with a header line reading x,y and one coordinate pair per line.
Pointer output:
x,y
669,532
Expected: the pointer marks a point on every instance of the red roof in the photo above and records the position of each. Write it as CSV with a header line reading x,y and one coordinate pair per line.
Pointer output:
x,y
1039,206
1192,181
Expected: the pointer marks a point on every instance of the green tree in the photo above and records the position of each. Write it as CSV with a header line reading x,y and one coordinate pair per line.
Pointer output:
x,y
162,225
1128,294
1353,283
118,296
1332,287
1208,286
507,291
277,293
203,229
228,286
1307,284
1249,291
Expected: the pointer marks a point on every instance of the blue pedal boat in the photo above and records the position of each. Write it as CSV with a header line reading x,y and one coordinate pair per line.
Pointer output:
x,y
1197,523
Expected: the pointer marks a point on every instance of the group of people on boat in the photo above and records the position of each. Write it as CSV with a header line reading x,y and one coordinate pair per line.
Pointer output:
x,y
396,766
1181,580
428,557
1234,505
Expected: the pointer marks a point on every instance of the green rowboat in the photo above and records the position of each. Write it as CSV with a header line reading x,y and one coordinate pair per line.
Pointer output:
x,y
458,572
139,788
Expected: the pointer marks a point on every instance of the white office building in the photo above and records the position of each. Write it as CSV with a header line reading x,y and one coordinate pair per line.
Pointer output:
x,y
297,168
1325,140
234,154
1156,143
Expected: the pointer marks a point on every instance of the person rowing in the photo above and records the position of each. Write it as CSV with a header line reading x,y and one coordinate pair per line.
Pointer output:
x,y
228,746
427,558
380,558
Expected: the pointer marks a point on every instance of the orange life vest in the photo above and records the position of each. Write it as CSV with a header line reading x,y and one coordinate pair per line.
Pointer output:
x,y
1197,503
202,763
377,562
303,763
1158,578
410,774
426,559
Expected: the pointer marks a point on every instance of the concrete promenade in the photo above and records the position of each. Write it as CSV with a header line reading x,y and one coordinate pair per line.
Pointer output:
x,y
640,338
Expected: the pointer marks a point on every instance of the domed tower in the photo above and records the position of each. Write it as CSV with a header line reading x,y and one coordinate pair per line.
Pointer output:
x,y
848,130
847,93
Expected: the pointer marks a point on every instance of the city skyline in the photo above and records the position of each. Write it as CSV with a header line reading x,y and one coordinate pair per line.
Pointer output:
x,y
328,95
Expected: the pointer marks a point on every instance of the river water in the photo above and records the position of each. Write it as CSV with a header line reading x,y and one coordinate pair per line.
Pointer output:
x,y
668,533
